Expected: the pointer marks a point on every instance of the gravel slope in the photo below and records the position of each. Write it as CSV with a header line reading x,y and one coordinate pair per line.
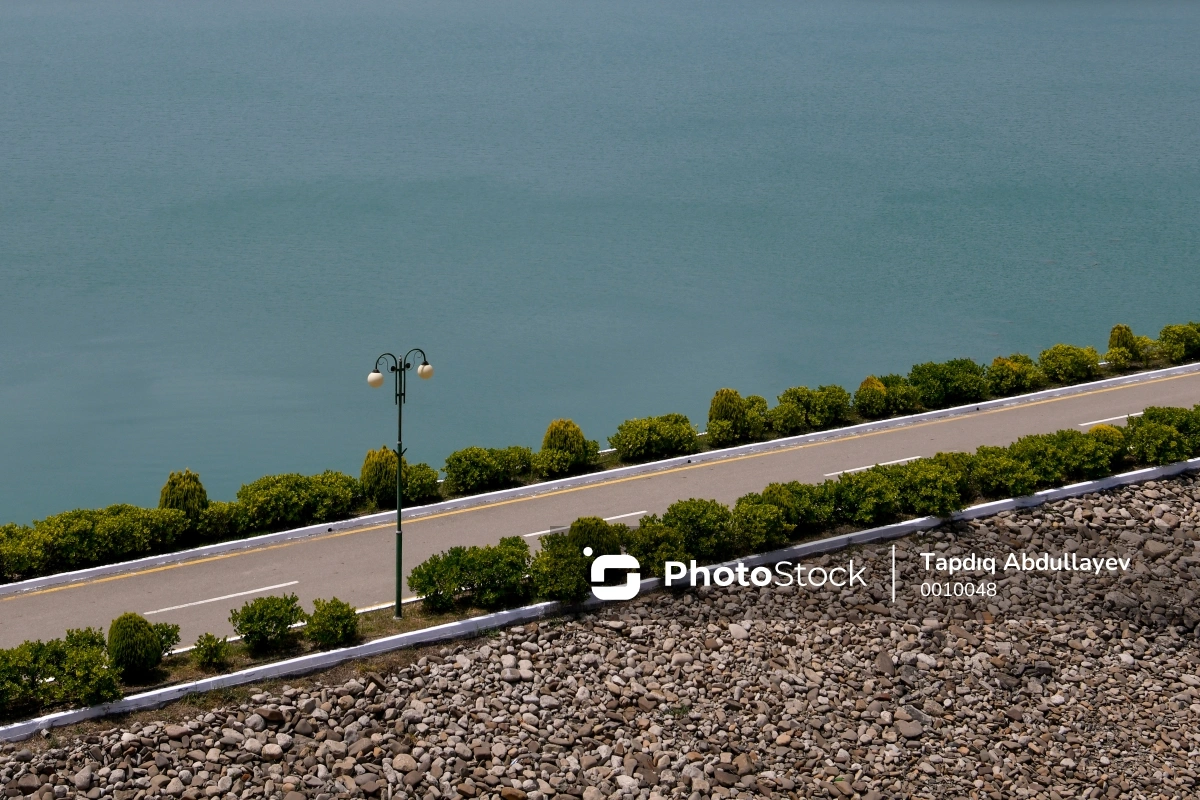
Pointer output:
x,y
1062,685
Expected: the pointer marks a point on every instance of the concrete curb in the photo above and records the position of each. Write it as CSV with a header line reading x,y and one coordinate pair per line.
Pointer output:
x,y
579,480
476,625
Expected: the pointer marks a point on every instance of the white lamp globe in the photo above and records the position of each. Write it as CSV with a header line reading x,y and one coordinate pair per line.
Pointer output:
x,y
425,370
375,378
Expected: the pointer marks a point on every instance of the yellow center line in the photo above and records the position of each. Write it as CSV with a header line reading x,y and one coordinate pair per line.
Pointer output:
x,y
602,484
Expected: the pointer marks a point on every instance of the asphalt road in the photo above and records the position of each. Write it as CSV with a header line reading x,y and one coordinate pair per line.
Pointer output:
x,y
358,565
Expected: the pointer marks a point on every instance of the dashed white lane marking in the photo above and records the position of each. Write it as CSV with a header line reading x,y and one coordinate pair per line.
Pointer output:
x,y
880,464
1109,419
222,597
565,527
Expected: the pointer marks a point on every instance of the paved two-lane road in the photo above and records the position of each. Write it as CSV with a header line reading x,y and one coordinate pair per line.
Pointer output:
x,y
357,565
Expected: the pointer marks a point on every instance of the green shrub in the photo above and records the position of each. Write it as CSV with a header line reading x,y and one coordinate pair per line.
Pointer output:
x,y
1149,349
84,537
997,475
220,521
211,652
24,673
86,675
1184,420
786,419
869,497
728,419
551,464
183,491
333,624
560,570
1066,363
927,488
1061,457
704,525
167,635
902,396
870,400
1016,374
1121,338
264,623
514,461
652,438
439,579
495,575
808,508
823,407
757,418
419,484
565,436
1112,440
377,478
949,383
474,469
960,467
1155,443
1179,343
757,526
1118,358
134,647
653,544
279,502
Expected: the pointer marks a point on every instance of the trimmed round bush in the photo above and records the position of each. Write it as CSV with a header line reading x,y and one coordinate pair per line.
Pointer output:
x,y
997,475
1112,439
1015,374
472,470
728,419
567,437
704,525
551,464
184,491
786,419
870,400
869,497
757,420
1179,343
495,575
133,646
1066,363
949,383
264,623
638,440
220,521
807,507
378,477
439,579
211,652
1186,421
1121,337
1118,358
757,526
927,488
279,502
333,624
418,483
1155,443
902,396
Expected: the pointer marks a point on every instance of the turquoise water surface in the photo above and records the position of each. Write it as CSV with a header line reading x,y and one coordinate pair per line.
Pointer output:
x,y
215,215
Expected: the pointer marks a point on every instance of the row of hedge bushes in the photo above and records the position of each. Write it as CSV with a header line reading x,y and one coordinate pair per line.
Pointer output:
x,y
86,668
187,518
708,531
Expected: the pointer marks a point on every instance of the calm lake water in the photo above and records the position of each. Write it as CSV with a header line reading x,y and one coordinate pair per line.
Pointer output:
x,y
215,215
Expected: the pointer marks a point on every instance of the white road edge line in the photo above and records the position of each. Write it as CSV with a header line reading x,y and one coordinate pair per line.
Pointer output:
x,y
219,599
880,464
1109,419
564,527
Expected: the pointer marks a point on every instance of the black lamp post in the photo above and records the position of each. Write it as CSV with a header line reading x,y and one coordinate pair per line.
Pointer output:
x,y
399,367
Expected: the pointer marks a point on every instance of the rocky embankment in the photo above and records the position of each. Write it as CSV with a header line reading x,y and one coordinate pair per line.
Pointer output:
x,y
1062,685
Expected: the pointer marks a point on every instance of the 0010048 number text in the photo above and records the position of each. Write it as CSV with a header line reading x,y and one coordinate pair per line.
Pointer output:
x,y
956,589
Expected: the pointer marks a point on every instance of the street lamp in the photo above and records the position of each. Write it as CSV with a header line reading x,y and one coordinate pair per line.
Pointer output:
x,y
399,367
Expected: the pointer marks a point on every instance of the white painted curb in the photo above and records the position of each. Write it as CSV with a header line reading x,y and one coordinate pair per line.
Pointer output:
x,y
476,625
578,480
